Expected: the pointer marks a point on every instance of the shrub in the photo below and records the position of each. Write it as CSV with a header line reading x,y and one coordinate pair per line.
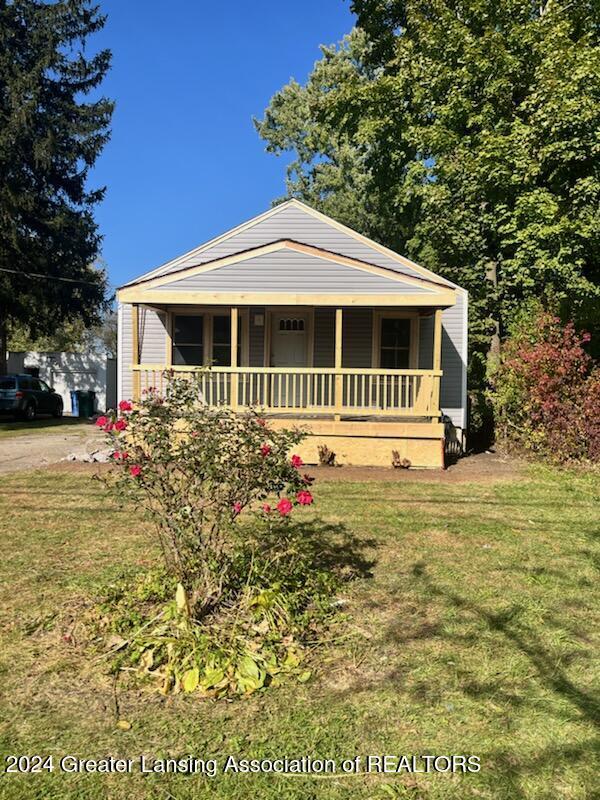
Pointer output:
x,y
543,390
245,582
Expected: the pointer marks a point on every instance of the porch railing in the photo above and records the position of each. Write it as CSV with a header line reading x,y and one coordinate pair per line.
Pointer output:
x,y
308,390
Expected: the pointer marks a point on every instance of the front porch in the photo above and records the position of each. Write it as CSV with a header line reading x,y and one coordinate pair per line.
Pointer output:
x,y
214,345
361,413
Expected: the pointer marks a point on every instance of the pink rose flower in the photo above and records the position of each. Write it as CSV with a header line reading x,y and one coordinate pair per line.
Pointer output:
x,y
265,449
304,497
262,422
125,405
120,425
284,506
296,461
116,455
101,421
266,508
237,507
135,471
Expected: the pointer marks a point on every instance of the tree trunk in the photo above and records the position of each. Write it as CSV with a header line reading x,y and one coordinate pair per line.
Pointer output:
x,y
491,275
3,338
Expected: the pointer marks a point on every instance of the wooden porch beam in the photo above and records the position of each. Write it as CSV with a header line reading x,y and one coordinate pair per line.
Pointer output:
x,y
234,359
339,381
135,349
437,359
437,339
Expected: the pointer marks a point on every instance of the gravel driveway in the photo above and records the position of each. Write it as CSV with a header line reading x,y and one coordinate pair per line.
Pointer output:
x,y
32,450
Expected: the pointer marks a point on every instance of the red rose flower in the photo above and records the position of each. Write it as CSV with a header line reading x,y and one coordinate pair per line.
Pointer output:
x,y
116,455
135,471
284,506
265,449
237,507
296,461
266,508
262,422
101,421
108,427
120,425
304,497
125,405
124,455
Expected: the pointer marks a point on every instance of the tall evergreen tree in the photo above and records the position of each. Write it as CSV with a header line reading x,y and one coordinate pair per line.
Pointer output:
x,y
473,131
49,140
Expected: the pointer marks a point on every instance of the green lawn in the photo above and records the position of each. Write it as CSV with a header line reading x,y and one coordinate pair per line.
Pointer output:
x,y
10,427
477,632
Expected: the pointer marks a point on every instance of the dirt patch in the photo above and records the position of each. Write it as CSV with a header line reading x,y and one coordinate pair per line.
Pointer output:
x,y
40,450
480,468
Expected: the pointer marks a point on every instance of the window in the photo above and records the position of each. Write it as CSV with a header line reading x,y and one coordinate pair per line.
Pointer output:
x,y
188,349
221,343
291,325
7,384
395,343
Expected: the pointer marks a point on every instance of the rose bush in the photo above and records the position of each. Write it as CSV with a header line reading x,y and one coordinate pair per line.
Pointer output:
x,y
222,490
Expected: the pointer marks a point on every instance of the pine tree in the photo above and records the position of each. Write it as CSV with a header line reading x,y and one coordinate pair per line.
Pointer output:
x,y
49,139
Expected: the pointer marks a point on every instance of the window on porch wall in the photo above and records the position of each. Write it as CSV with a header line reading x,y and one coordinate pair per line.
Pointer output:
x,y
395,343
188,344
221,341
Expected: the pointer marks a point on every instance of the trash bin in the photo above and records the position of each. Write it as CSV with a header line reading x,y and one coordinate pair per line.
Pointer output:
x,y
86,401
74,404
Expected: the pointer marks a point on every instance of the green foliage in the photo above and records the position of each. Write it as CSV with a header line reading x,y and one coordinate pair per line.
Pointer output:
x,y
464,135
545,391
49,140
245,583
279,600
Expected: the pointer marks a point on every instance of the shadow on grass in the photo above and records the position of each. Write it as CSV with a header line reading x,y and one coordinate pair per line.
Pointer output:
x,y
547,668
328,546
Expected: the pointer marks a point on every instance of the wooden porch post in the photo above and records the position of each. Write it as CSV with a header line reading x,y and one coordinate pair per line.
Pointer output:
x,y
234,360
339,381
135,350
437,359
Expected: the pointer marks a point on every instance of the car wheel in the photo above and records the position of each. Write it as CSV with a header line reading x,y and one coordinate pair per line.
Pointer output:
x,y
57,413
29,412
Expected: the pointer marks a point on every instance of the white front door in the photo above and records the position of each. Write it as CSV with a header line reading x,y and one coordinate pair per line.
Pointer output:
x,y
289,348
289,340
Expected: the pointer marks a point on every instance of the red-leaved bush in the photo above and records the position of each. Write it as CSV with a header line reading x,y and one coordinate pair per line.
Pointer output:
x,y
545,391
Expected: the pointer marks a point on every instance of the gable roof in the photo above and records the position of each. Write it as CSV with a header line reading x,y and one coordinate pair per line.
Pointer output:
x,y
295,221
283,270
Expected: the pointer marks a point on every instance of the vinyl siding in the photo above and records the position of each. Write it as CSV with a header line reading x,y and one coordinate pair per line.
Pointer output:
x,y
324,338
452,360
256,338
292,222
357,338
153,337
290,271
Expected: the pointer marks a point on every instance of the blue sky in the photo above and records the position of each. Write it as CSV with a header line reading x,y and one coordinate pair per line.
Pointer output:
x,y
184,162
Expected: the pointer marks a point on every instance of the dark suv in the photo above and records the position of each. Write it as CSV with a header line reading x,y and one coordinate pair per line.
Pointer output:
x,y
25,396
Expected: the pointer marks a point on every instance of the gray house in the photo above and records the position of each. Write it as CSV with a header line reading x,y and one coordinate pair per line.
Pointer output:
x,y
315,324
